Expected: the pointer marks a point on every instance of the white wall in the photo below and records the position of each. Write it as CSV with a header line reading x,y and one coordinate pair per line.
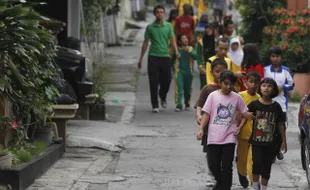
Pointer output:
x,y
124,14
74,7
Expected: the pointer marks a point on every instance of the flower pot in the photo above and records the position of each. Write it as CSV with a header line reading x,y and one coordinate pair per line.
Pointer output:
x,y
44,134
302,83
5,161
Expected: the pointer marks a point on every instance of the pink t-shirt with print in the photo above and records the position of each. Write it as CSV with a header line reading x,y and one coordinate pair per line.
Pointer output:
x,y
222,110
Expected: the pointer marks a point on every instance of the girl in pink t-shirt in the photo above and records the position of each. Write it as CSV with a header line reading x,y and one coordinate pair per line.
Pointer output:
x,y
220,111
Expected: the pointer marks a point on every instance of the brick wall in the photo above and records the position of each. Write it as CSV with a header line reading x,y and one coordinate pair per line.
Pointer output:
x,y
297,4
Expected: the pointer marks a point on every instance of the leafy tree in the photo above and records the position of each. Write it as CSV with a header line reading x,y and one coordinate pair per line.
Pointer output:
x,y
257,14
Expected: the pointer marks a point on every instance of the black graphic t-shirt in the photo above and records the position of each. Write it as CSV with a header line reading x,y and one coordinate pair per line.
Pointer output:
x,y
265,123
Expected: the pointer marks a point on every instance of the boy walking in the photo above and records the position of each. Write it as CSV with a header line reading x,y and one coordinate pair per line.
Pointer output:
x,y
159,65
221,52
183,68
244,150
283,77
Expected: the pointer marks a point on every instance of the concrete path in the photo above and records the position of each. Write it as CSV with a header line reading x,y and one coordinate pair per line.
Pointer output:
x,y
146,150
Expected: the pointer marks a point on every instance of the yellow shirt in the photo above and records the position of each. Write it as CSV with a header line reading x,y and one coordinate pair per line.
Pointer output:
x,y
209,77
202,8
236,68
246,131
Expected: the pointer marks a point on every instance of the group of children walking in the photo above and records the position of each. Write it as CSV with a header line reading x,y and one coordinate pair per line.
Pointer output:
x,y
242,102
253,119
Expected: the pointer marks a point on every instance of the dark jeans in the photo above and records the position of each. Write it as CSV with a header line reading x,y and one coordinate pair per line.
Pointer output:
x,y
159,71
220,161
262,160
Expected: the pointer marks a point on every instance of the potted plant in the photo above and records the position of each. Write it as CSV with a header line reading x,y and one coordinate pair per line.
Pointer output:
x,y
5,159
291,31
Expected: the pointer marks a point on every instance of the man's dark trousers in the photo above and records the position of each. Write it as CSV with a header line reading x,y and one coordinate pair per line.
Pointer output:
x,y
159,71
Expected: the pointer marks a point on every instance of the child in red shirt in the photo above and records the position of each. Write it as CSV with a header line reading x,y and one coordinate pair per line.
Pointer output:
x,y
250,62
185,24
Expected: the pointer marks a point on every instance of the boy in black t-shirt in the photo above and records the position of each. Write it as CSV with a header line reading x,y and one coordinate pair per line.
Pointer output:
x,y
268,119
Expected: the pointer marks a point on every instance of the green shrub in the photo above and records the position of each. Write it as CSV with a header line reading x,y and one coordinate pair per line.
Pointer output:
x,y
295,97
37,147
23,155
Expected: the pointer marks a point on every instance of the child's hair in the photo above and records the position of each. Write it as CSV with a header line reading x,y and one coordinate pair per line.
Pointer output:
x,y
179,37
218,61
254,74
227,22
275,50
158,7
172,13
215,25
221,40
228,75
275,90
251,56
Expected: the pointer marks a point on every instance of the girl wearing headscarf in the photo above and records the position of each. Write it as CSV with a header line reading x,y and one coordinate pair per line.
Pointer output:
x,y
205,50
235,53
200,27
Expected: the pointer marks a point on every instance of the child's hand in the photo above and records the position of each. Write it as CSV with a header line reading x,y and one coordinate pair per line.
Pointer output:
x,y
198,119
284,147
239,74
177,54
248,115
238,130
280,87
200,134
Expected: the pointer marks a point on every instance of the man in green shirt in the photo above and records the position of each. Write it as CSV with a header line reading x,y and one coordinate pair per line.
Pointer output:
x,y
159,33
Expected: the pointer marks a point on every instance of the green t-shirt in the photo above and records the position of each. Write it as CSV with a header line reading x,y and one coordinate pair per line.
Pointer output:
x,y
159,36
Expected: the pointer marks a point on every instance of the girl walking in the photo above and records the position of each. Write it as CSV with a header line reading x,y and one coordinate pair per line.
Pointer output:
x,y
250,62
205,50
183,68
269,120
220,111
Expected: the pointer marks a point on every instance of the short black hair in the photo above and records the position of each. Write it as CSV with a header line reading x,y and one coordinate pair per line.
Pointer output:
x,y
275,50
275,90
218,61
253,74
215,25
222,40
179,37
227,22
158,7
228,75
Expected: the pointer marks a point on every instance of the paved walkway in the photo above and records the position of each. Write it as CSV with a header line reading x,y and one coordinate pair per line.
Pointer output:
x,y
158,151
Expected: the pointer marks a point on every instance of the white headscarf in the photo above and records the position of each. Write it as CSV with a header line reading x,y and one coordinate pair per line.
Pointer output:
x,y
236,56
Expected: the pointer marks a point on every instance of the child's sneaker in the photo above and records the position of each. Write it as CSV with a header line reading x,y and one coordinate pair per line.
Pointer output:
x,y
280,156
163,104
187,107
177,109
243,181
155,110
